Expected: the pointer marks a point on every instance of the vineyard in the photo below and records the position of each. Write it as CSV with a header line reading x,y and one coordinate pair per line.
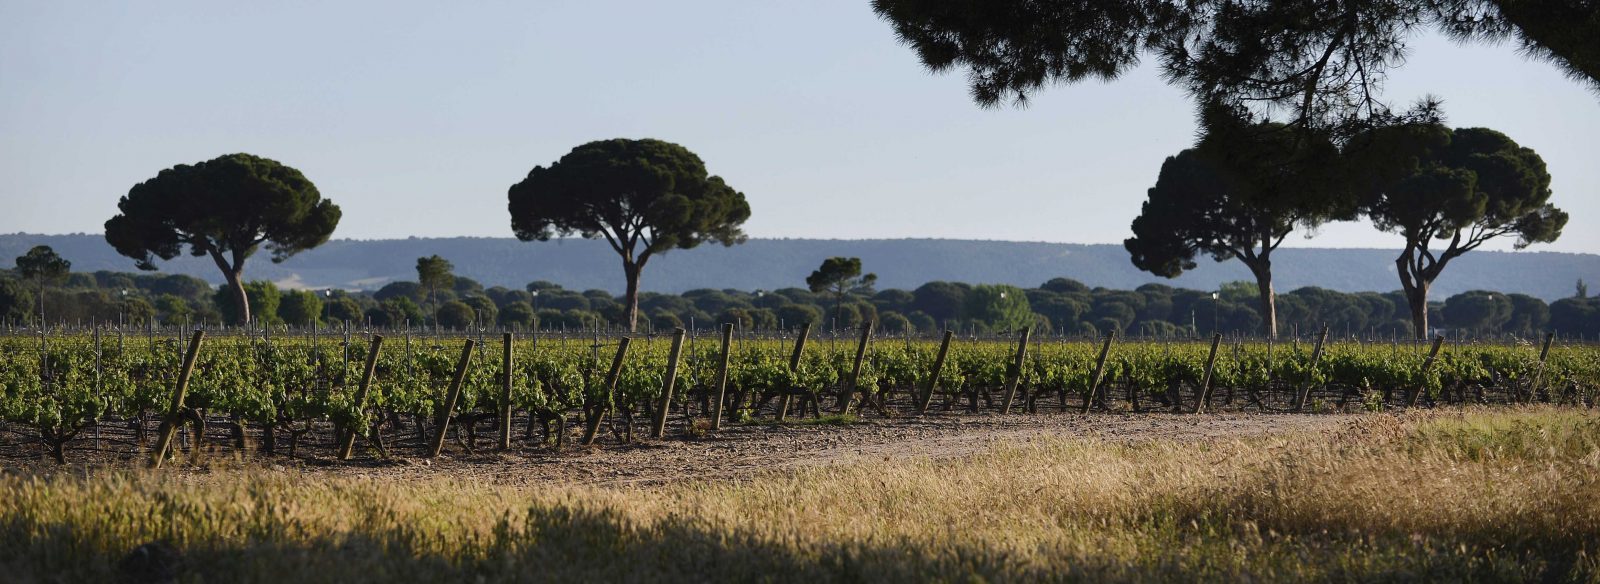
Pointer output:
x,y
127,396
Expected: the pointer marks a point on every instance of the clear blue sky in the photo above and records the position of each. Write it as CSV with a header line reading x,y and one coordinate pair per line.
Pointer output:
x,y
415,117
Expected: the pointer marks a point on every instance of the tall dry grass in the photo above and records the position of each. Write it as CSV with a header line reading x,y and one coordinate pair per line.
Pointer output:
x,y
1509,495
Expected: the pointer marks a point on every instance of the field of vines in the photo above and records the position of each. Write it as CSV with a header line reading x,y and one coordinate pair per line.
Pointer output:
x,y
111,396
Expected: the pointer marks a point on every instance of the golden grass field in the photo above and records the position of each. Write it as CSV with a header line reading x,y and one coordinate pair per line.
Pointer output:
x,y
1507,494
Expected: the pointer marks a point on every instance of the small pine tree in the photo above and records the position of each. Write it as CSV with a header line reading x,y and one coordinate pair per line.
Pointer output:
x,y
1583,289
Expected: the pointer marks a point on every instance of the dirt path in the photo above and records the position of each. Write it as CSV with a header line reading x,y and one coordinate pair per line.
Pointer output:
x,y
741,451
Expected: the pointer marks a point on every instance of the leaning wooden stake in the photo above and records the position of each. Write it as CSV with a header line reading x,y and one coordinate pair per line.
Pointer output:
x,y
1014,376
169,426
722,377
347,444
1305,382
1538,374
505,392
97,372
592,429
933,376
1433,355
1203,397
450,400
794,365
1099,371
849,395
658,426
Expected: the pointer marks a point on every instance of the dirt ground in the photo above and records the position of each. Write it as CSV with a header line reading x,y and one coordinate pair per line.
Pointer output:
x,y
744,450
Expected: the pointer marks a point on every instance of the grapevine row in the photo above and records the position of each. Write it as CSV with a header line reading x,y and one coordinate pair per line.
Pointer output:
x,y
281,393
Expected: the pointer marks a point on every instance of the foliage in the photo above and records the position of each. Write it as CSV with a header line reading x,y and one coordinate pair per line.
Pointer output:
x,y
223,208
1464,187
434,273
999,306
342,307
43,266
841,277
644,197
300,308
1322,64
16,301
516,315
940,300
894,322
792,315
1477,309
301,380
1236,195
1151,310
456,315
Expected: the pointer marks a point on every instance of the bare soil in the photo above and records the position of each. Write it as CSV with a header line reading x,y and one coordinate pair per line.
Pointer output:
x,y
744,450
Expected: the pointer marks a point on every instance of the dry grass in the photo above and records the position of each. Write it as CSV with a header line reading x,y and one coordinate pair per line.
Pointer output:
x,y
1510,495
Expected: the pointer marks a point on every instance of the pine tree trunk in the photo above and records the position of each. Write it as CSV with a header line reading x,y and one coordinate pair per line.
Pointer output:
x,y
1418,298
631,299
235,276
1269,300
1415,285
240,298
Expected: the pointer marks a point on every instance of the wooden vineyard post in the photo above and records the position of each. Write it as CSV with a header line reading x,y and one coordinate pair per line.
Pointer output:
x,y
1202,398
973,391
450,399
1433,355
849,396
1099,371
348,442
1014,376
722,377
97,367
1305,382
505,391
1538,374
592,429
794,365
659,424
169,426
1255,395
933,377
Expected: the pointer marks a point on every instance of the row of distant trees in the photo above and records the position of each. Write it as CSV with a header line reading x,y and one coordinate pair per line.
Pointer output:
x,y
1238,193
837,296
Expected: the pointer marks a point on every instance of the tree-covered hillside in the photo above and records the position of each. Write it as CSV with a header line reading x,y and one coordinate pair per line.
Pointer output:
x,y
777,263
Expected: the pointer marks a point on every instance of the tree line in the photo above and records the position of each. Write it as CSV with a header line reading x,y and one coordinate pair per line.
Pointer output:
x,y
1238,193
838,296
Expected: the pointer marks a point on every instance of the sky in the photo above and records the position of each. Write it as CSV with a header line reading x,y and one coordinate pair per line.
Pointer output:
x,y
415,117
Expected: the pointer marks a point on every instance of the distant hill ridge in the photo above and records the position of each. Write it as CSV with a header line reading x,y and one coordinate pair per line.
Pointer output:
x,y
780,263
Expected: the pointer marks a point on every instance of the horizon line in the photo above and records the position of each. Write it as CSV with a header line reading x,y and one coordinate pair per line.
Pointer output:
x,y
836,239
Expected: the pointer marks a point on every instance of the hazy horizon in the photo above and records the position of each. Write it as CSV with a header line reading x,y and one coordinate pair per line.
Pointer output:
x,y
1534,249
773,263
415,119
